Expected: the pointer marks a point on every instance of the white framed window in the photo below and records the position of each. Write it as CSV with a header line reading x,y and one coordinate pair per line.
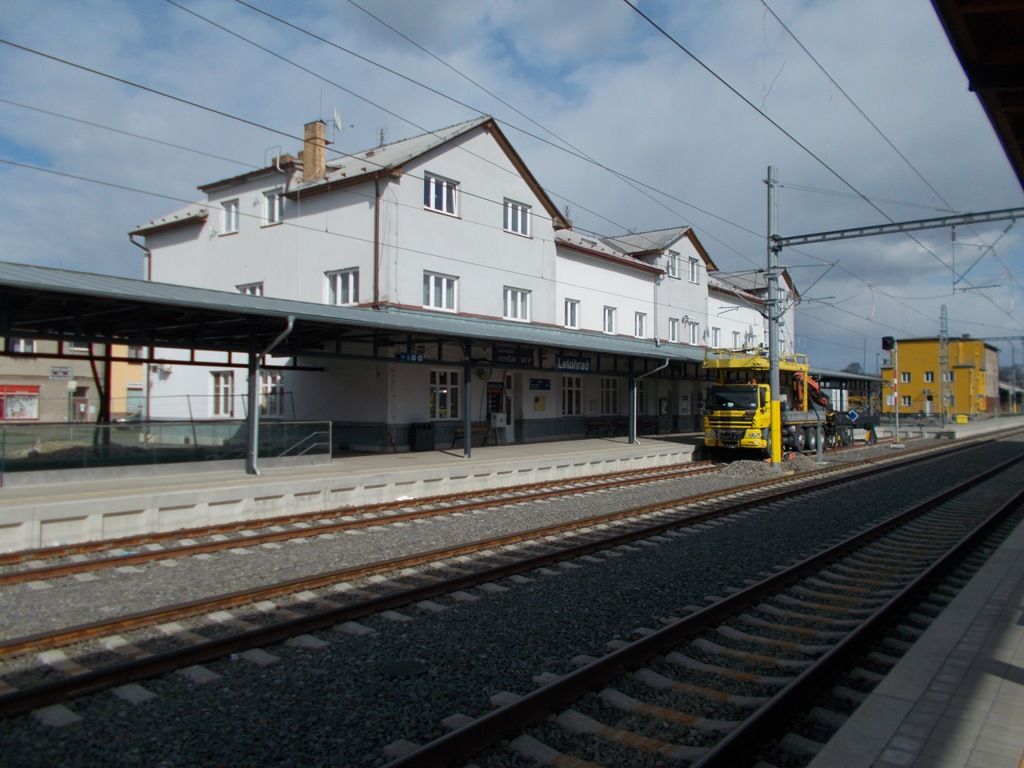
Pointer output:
x,y
24,346
271,394
673,329
223,393
947,376
673,265
78,346
609,320
736,340
640,325
609,397
572,313
904,377
694,271
517,303
572,395
517,218
444,394
251,289
440,194
929,377
905,401
273,207
342,287
440,291
693,332
716,337
229,217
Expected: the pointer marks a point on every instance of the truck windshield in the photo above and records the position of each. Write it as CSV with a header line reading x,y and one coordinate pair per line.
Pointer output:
x,y
738,398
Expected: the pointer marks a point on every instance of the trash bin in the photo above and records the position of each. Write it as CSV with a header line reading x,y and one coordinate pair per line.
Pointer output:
x,y
961,418
421,437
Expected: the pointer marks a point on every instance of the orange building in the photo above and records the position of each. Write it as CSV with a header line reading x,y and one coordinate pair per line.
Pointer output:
x,y
965,383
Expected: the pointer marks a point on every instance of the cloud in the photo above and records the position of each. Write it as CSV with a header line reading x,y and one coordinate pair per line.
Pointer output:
x,y
593,73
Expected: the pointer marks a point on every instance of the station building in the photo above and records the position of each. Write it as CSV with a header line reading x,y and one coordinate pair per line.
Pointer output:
x,y
450,224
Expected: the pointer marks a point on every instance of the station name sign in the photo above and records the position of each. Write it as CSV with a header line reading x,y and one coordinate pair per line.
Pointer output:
x,y
513,356
572,363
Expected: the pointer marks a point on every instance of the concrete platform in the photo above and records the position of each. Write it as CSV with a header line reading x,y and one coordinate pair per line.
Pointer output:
x,y
136,500
956,699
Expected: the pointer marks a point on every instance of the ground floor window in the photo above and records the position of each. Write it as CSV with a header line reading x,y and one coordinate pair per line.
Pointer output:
x,y
609,397
444,394
572,395
905,401
271,394
223,393
19,402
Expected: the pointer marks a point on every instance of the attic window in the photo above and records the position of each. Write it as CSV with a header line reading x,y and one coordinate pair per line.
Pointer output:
x,y
440,194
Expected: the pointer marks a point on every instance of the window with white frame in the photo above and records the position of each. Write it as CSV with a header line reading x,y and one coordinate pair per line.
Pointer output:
x,y
229,217
444,394
517,218
716,337
251,289
609,397
342,287
440,194
223,393
572,313
271,394
929,377
78,346
273,207
904,377
440,291
572,395
673,265
673,329
736,340
694,271
947,376
640,325
905,401
693,332
24,346
609,320
517,303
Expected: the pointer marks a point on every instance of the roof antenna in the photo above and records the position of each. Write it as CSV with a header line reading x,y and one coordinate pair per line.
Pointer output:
x,y
381,138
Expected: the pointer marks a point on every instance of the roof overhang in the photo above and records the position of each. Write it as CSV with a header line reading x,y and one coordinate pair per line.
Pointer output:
x,y
987,37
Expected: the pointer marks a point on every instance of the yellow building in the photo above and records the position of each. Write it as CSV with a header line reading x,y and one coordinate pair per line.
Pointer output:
x,y
967,384
128,384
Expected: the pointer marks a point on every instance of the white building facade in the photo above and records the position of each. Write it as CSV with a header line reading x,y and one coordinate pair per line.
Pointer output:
x,y
449,222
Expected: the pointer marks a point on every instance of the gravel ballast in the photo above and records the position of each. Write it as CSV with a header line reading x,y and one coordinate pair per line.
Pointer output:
x,y
342,703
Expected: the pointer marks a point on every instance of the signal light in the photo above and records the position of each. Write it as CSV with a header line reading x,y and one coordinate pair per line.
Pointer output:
x,y
888,342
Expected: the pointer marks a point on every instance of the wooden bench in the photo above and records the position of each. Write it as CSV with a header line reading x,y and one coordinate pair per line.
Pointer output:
x,y
478,428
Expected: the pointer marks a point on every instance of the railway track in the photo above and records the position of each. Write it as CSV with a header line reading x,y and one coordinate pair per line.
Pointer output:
x,y
57,562
710,688
341,599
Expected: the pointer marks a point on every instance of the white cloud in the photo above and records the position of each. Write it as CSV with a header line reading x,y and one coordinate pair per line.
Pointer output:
x,y
592,72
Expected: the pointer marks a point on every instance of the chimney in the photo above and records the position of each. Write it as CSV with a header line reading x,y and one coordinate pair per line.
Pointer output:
x,y
314,153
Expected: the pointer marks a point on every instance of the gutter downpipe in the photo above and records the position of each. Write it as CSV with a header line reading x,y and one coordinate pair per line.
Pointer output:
x,y
253,417
148,272
632,398
376,242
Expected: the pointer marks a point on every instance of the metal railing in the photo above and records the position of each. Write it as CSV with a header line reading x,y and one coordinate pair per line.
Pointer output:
x,y
36,447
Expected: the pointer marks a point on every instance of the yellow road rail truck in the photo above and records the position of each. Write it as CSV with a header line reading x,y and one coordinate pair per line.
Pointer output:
x,y
738,412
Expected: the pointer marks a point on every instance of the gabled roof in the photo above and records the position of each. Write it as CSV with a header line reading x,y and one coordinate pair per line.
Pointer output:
x,y
754,281
591,246
716,283
388,160
638,244
190,214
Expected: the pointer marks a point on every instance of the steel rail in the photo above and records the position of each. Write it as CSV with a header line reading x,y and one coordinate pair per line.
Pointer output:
x,y
459,745
786,487
21,701
513,494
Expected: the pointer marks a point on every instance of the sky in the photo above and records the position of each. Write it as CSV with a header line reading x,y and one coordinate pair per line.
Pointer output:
x,y
861,106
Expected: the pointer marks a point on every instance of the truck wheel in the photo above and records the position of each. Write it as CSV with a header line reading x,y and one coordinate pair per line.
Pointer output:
x,y
811,438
